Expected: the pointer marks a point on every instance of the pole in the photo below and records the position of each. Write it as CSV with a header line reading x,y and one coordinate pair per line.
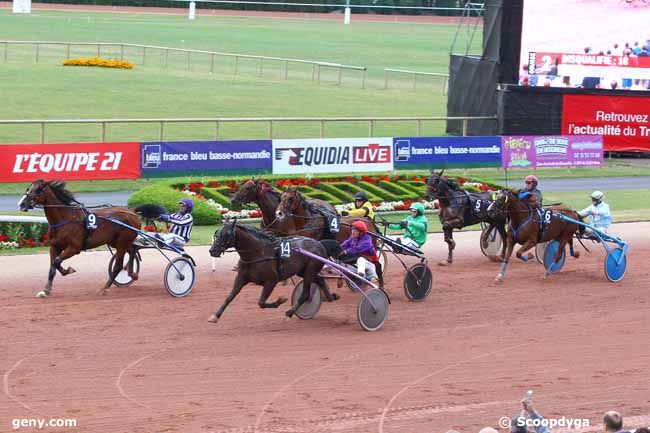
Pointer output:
x,y
346,16
192,13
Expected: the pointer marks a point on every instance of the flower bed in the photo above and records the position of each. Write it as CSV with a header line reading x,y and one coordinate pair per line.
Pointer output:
x,y
386,192
23,235
99,62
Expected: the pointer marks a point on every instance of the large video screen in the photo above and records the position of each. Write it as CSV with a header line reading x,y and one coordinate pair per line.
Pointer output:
x,y
590,44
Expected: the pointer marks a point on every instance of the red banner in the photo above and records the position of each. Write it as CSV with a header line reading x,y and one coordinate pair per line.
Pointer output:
x,y
624,121
75,161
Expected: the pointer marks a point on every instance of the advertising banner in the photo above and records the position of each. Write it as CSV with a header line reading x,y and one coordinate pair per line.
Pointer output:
x,y
525,151
205,156
332,155
441,152
624,121
72,161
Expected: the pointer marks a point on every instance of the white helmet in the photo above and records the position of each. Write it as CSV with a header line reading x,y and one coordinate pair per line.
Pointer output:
x,y
597,195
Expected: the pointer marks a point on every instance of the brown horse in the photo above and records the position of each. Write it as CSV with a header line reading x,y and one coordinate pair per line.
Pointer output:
x,y
68,233
525,228
459,209
261,193
260,262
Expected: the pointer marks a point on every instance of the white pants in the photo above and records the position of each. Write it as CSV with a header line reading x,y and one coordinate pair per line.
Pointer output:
x,y
169,238
590,231
407,242
367,268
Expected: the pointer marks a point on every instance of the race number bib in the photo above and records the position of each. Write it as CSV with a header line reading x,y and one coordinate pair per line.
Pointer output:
x,y
334,223
285,249
91,222
548,216
477,206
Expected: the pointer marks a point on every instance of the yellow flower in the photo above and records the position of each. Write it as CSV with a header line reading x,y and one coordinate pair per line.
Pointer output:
x,y
98,61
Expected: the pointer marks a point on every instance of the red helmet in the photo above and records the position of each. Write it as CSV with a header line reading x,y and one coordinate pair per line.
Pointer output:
x,y
361,226
531,178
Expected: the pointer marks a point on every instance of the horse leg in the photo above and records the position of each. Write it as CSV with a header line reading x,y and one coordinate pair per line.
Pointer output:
x,y
574,253
329,296
240,282
525,247
56,257
449,239
510,241
133,252
266,292
305,296
504,237
486,234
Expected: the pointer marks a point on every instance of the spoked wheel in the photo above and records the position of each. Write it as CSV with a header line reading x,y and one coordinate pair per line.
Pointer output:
x,y
180,277
615,265
123,279
417,282
540,249
549,256
373,310
494,243
309,309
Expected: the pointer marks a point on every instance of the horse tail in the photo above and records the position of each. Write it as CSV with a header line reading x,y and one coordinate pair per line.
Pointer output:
x,y
150,211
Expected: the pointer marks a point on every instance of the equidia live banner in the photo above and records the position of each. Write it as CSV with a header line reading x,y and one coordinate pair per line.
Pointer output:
x,y
332,155
624,121
73,161
551,151
441,152
204,156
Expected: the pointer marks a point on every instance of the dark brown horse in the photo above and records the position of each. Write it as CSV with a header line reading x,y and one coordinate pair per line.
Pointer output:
x,y
260,262
68,233
261,193
459,209
524,226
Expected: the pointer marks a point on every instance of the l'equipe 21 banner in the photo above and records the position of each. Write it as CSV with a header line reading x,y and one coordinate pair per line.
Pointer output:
x,y
73,161
525,151
332,155
624,121
442,152
205,156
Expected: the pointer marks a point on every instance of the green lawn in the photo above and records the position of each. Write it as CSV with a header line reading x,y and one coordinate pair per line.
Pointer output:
x,y
48,90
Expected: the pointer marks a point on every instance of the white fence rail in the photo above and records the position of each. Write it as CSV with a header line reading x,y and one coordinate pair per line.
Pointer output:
x,y
270,123
443,78
22,219
198,60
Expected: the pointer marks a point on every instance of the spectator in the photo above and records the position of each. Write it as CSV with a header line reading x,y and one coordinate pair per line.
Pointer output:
x,y
566,81
637,85
644,52
488,430
587,50
533,414
636,49
617,51
547,83
614,84
613,422
591,82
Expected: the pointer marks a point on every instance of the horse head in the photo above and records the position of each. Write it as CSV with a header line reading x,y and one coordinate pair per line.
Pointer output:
x,y
290,202
501,203
42,193
245,194
224,238
433,185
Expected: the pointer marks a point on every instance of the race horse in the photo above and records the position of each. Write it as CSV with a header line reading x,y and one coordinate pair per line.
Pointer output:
x,y
528,225
459,209
258,192
261,262
68,231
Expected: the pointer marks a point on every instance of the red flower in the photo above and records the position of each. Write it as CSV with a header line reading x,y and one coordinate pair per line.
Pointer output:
x,y
45,238
213,184
461,180
4,238
150,228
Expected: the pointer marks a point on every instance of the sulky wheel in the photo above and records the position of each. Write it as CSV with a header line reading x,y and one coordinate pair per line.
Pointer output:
x,y
494,243
179,277
540,249
373,310
615,265
310,308
417,282
549,254
123,279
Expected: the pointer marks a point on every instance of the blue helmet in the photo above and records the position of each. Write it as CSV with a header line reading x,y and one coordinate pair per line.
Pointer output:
x,y
187,202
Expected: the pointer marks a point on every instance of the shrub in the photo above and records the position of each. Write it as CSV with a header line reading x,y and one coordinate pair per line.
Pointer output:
x,y
98,61
164,194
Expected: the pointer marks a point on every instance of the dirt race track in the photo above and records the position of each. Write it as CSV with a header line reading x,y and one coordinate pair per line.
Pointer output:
x,y
138,360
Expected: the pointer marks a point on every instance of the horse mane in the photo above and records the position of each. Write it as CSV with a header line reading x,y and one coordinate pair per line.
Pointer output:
x,y
258,234
59,190
274,193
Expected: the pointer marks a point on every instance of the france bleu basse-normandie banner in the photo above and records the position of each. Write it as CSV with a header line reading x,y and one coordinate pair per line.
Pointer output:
x,y
442,152
72,161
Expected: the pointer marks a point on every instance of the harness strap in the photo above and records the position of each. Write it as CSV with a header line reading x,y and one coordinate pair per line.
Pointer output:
x,y
524,224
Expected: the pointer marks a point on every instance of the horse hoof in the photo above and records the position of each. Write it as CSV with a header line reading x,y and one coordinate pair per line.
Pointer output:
x,y
102,292
42,294
444,263
499,279
71,270
213,319
335,297
134,277
576,255
289,313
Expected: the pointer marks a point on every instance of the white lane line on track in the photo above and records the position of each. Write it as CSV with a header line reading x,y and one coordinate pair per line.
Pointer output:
x,y
119,380
279,392
5,382
441,370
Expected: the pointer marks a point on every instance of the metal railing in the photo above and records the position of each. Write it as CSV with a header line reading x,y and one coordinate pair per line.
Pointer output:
x,y
207,60
414,81
269,121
